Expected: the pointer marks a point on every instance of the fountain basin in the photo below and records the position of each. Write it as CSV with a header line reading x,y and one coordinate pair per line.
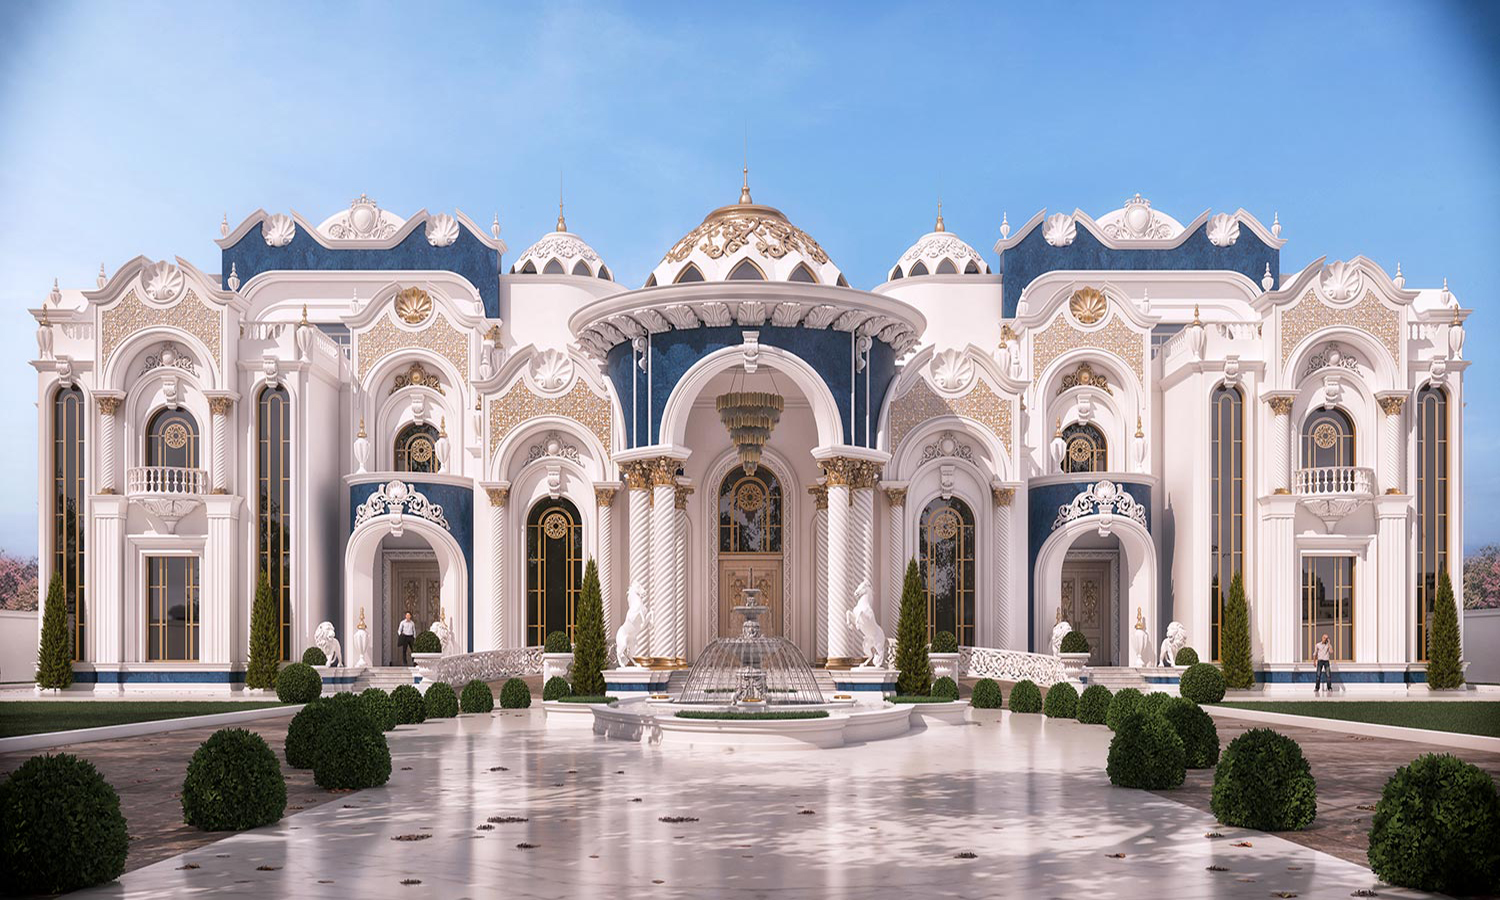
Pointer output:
x,y
657,723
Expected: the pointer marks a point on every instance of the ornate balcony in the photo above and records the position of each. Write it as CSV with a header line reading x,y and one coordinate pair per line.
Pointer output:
x,y
167,492
1333,492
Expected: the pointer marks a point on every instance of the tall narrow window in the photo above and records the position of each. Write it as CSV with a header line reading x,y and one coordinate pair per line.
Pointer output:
x,y
1328,604
68,521
273,524
1085,449
171,608
1227,553
948,573
554,569
1432,505
416,449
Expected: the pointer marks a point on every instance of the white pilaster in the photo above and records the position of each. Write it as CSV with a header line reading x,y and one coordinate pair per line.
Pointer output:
x,y
1392,443
105,599
661,601
851,546
1005,633
219,407
1393,620
820,568
1281,443
109,406
895,557
679,573
604,499
217,641
499,496
638,559
1276,607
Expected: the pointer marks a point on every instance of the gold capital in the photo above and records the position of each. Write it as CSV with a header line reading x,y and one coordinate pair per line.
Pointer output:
x,y
683,491
895,496
604,496
849,472
1003,496
220,406
1391,406
637,474
820,496
108,405
498,495
1281,405
664,471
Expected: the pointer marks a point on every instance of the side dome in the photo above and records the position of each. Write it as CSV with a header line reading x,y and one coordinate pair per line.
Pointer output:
x,y
561,252
939,253
746,241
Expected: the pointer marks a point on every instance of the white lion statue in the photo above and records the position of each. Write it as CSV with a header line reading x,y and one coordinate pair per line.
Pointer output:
x,y
628,637
444,631
1059,631
1175,640
324,640
862,619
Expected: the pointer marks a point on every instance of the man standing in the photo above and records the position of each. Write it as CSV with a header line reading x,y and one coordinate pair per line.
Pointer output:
x,y
1323,653
406,635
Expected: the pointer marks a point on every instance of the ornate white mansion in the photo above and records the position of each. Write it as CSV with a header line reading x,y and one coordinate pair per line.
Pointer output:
x,y
386,415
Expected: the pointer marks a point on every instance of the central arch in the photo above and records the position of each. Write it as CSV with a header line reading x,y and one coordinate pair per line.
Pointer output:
x,y
1137,572
827,417
362,588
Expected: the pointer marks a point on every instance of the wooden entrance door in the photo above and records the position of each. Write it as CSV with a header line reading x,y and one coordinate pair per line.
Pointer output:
x,y
416,588
739,571
1086,604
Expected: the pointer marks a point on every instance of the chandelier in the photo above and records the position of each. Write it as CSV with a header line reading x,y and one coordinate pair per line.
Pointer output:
x,y
749,416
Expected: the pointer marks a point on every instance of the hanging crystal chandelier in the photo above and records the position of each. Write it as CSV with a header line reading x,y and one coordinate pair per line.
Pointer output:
x,y
749,416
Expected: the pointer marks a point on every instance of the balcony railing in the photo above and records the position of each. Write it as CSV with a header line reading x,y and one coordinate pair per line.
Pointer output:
x,y
1334,481
166,481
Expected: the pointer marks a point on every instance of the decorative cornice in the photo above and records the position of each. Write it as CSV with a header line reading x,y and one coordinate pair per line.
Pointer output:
x,y
397,498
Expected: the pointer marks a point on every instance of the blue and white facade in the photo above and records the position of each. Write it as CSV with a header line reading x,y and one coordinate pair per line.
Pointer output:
x,y
1103,421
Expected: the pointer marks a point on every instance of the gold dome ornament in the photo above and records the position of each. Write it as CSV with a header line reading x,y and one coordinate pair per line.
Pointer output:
x,y
413,305
1088,305
750,416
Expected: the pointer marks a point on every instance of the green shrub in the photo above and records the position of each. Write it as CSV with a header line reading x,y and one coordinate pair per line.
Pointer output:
x,y
1200,738
60,827
1445,669
1093,705
557,642
1187,656
442,703
556,688
1234,645
944,642
233,782
1145,753
1264,782
265,638
54,655
1123,703
298,683
1437,828
1153,703
589,656
912,663
946,688
1025,697
1202,683
1074,642
1061,702
986,695
514,694
411,709
302,734
476,698
314,656
351,750
378,706
426,642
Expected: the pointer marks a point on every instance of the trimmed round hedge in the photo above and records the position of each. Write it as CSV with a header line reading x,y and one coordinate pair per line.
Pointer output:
x,y
411,709
1200,738
557,642
1187,656
378,706
442,703
1437,828
298,683
351,750
233,782
61,828
946,688
1123,703
1062,701
302,733
1264,782
1093,704
1025,697
1146,753
514,694
556,688
1154,703
1074,642
1203,683
314,656
426,642
944,642
986,695
476,698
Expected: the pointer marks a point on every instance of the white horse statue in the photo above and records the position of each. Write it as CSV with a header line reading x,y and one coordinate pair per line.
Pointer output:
x,y
628,637
1175,640
862,619
1059,631
324,640
444,631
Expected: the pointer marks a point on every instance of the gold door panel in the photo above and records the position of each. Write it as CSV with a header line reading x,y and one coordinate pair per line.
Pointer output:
x,y
417,589
1085,605
739,571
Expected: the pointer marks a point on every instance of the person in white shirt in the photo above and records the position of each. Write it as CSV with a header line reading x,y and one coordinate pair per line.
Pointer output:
x,y
1323,653
406,635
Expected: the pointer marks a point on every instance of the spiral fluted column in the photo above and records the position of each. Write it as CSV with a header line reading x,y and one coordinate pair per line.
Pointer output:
x,y
661,600
679,573
604,498
499,496
851,522
1392,444
820,569
219,408
1281,443
108,407
638,559
895,554
1004,612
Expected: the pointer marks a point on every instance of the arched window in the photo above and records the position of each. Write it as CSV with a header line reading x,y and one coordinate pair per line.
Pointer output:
x,y
528,268
688,274
651,281
605,274
1327,439
416,449
842,282
172,439
750,512
803,274
1085,449
746,271
554,569
1227,543
579,268
972,268
1432,505
919,269
553,267
69,523
946,267
273,511
948,573
896,273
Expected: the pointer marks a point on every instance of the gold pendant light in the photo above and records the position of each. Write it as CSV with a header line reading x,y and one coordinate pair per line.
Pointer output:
x,y
749,416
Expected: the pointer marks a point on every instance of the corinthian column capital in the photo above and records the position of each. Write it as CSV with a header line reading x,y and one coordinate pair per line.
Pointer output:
x,y
846,471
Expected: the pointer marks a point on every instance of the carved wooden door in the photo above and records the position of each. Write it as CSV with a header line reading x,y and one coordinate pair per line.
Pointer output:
x,y
1086,604
741,570
417,589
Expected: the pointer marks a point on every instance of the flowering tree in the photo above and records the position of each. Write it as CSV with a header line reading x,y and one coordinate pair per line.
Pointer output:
x,y
18,584
1482,578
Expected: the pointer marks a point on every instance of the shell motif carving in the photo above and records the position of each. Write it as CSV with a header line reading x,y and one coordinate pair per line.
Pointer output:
x,y
552,370
162,281
1088,305
413,305
279,230
1060,229
442,230
952,370
1223,230
1341,282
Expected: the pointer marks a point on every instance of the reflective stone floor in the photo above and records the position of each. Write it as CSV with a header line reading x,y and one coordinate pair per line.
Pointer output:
x,y
1027,798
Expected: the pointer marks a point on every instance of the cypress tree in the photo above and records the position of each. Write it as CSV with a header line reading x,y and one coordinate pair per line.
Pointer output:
x,y
265,649
915,678
1235,643
588,644
1445,671
54,656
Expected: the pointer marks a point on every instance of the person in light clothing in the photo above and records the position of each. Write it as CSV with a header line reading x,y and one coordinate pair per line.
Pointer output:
x,y
1323,653
406,635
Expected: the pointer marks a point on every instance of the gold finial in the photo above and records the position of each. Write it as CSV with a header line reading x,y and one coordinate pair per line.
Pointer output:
x,y
46,324
1196,320
939,226
1059,616
745,187
361,625
1138,431
304,314
362,427
1140,619
562,224
443,426
1059,427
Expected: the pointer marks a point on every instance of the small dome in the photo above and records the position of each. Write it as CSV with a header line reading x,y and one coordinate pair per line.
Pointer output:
x,y
939,253
561,252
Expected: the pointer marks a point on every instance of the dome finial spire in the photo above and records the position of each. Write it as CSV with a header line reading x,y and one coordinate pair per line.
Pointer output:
x,y
562,224
745,187
939,226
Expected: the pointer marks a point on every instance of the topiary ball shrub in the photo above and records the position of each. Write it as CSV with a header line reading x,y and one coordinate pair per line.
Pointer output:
x,y
411,709
476,698
514,694
1146,753
946,688
302,734
378,706
1025,697
298,683
944,642
61,828
1093,704
1202,683
442,703
314,656
1200,738
426,642
557,642
1123,703
1061,702
1437,828
1264,782
351,750
1187,656
233,782
986,695
1074,642
1154,703
556,688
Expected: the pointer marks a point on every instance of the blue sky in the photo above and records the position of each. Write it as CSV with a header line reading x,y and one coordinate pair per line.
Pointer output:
x,y
1371,127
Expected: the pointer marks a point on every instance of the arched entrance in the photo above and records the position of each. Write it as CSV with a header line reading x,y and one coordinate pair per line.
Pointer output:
x,y
554,569
947,539
751,529
1135,581
374,576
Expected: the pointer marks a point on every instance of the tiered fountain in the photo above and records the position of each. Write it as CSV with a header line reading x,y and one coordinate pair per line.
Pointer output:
x,y
752,670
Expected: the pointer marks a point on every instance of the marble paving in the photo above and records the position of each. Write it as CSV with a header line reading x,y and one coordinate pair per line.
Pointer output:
x,y
1013,806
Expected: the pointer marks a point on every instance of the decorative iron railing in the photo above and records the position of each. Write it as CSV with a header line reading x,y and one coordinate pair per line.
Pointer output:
x,y
1346,481
166,480
1001,665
